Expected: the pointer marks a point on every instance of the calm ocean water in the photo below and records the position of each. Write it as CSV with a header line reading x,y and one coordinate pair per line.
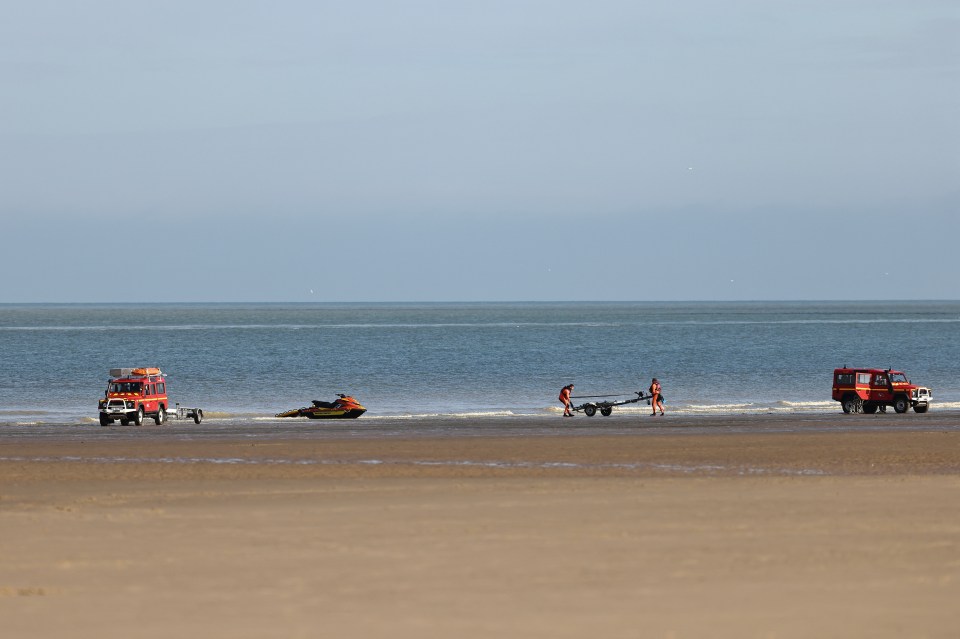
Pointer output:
x,y
255,360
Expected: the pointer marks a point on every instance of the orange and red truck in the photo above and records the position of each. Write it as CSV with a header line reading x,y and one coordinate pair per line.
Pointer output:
x,y
135,393
868,390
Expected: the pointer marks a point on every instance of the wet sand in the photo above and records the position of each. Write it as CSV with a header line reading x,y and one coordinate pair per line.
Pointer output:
x,y
734,528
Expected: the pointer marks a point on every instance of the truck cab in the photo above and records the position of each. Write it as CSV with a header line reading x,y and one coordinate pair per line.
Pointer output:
x,y
868,390
133,394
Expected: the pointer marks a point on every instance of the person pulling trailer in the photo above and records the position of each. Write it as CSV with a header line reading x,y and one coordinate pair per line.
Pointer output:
x,y
565,400
656,397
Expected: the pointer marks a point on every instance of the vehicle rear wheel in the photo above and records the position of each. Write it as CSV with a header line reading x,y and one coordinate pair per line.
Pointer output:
x,y
138,420
160,417
605,411
921,409
852,404
197,416
901,404
589,410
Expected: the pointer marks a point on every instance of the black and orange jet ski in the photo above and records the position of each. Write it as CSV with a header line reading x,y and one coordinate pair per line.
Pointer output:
x,y
344,407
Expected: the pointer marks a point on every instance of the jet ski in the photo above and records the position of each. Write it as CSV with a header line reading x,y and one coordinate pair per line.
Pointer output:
x,y
344,407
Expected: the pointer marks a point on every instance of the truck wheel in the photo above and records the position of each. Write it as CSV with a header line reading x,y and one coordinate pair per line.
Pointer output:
x,y
901,404
138,420
605,411
197,416
104,420
161,416
589,410
852,404
921,409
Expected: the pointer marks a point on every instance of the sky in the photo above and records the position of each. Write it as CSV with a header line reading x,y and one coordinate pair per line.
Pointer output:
x,y
505,150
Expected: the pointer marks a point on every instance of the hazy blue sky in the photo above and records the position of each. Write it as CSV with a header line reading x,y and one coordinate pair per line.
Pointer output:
x,y
497,150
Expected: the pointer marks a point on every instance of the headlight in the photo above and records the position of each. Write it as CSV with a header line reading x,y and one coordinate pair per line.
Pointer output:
x,y
129,404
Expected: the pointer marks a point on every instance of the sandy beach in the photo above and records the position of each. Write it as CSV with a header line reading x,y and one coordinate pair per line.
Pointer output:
x,y
777,529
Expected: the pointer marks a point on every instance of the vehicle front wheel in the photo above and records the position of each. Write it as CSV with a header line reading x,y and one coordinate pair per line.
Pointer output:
x,y
160,417
901,404
138,420
852,404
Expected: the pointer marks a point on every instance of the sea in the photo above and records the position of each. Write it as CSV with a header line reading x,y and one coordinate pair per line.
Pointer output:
x,y
449,360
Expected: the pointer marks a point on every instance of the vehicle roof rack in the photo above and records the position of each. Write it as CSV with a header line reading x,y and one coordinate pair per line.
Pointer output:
x,y
142,371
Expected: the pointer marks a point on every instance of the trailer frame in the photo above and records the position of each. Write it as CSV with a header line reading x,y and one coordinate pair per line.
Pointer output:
x,y
183,413
605,407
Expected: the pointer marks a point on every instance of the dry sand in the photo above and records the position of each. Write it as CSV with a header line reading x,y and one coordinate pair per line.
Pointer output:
x,y
848,534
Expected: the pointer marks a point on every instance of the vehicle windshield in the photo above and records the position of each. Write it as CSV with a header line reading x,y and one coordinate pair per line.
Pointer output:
x,y
898,378
125,387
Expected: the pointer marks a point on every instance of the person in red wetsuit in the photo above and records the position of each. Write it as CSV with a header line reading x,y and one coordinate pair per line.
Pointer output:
x,y
656,398
565,400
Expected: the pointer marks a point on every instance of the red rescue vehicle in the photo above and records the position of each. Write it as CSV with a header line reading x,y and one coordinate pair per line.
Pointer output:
x,y
135,393
867,390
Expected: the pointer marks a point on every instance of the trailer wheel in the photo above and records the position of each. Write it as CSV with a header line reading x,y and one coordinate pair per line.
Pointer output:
x,y
589,410
869,408
921,409
901,404
124,421
197,416
104,420
605,411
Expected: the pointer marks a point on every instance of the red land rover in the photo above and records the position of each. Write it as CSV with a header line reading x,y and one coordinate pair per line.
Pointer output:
x,y
866,390
132,394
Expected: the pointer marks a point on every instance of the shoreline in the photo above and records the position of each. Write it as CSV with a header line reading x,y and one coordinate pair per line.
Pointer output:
x,y
938,415
13,417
